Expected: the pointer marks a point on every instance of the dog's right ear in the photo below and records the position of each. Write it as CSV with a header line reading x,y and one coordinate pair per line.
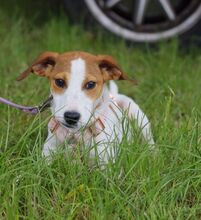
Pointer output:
x,y
42,66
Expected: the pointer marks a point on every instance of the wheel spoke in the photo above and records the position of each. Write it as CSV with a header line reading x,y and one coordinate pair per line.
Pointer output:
x,y
111,3
139,11
167,7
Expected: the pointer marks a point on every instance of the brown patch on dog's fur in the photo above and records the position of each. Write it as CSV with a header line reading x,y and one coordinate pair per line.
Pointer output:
x,y
42,66
99,69
64,76
93,73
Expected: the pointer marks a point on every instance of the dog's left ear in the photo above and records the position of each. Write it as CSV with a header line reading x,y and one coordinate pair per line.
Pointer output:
x,y
42,66
111,70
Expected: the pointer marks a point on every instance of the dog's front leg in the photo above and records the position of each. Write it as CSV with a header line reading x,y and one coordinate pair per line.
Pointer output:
x,y
104,149
56,136
50,145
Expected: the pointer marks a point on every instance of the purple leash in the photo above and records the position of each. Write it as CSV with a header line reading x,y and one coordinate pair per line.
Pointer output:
x,y
31,110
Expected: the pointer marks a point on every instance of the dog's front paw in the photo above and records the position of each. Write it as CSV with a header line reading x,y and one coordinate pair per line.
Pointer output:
x,y
46,151
50,145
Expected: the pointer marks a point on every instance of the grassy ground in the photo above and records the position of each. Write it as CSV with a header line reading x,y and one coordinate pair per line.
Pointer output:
x,y
166,186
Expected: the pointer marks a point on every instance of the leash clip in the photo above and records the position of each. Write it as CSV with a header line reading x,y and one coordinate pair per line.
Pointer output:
x,y
45,104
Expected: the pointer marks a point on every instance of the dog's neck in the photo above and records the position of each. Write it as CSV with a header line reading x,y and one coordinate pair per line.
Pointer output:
x,y
102,102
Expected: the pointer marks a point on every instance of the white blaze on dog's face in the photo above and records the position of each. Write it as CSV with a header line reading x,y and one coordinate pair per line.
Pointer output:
x,y
76,84
77,80
74,96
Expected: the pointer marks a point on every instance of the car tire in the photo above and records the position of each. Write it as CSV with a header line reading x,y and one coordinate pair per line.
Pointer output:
x,y
81,11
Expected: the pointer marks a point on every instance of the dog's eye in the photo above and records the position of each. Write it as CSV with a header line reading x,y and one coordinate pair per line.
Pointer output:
x,y
90,85
60,83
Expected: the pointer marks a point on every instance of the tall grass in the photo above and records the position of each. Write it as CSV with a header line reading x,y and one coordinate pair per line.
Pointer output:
x,y
162,186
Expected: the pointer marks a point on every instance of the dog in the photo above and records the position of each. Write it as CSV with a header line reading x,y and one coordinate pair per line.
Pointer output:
x,y
84,109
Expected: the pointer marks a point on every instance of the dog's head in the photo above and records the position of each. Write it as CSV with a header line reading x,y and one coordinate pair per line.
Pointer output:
x,y
77,80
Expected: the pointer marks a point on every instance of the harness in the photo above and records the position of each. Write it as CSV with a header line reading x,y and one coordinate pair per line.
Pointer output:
x,y
90,131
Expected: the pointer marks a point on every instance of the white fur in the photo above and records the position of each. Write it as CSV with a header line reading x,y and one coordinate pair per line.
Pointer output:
x,y
113,88
74,99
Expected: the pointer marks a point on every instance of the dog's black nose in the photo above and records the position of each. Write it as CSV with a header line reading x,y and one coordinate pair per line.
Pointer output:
x,y
71,117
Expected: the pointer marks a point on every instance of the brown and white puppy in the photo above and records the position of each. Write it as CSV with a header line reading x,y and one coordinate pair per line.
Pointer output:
x,y
84,109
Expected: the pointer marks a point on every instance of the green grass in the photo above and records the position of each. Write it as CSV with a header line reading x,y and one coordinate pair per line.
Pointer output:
x,y
166,185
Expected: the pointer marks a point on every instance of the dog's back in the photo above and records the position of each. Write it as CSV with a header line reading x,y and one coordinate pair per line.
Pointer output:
x,y
134,112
